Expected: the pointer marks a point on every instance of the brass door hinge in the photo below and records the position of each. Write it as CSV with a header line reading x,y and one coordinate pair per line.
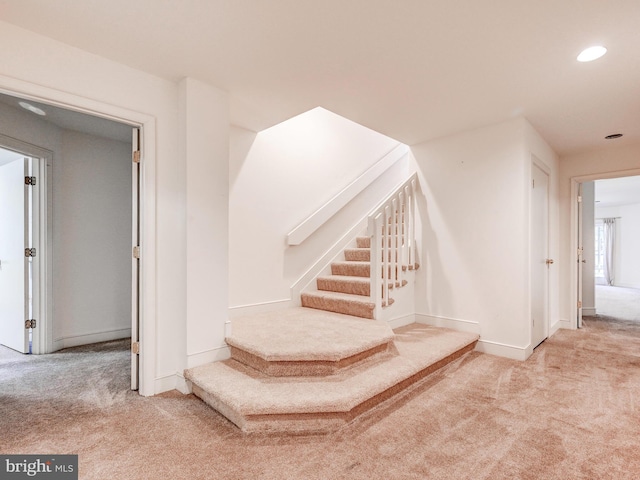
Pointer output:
x,y
135,348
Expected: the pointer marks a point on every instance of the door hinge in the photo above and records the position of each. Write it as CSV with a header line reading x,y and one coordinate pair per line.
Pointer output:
x,y
30,324
29,252
579,198
136,252
29,180
135,348
533,183
579,303
136,156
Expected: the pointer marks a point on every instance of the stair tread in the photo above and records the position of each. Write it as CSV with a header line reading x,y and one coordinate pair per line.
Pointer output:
x,y
327,336
345,278
340,296
248,392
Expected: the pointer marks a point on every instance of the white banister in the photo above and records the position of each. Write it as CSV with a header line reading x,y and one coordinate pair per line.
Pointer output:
x,y
320,216
391,228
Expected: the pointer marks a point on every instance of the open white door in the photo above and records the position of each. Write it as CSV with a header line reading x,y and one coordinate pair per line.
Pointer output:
x,y
580,260
14,264
540,263
135,263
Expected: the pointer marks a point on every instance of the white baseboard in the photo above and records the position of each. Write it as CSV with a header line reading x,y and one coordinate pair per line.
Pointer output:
x,y
503,350
88,338
251,309
214,355
444,322
568,324
165,384
402,321
589,311
554,328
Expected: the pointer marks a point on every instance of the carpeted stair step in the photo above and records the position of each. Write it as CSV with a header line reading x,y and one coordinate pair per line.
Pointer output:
x,y
306,342
351,269
259,403
357,254
355,305
345,284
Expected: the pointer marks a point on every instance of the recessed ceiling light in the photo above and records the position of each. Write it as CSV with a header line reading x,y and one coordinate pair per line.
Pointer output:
x,y
31,108
591,53
613,136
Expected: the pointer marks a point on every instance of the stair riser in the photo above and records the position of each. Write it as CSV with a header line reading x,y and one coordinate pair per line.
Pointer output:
x,y
353,288
356,309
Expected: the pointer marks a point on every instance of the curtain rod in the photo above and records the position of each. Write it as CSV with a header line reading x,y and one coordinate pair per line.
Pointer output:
x,y
602,218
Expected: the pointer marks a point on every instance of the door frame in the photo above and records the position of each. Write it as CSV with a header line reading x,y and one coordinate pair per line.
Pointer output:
x,y
43,306
574,234
147,205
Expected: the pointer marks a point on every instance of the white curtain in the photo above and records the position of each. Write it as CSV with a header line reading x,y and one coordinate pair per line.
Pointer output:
x,y
609,242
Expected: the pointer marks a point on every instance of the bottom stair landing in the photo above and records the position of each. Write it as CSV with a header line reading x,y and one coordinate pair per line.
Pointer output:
x,y
324,375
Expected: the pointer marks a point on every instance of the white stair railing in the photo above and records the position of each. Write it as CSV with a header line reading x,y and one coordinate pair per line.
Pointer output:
x,y
392,229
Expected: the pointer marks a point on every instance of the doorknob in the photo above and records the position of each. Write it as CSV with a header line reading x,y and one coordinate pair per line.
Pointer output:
x,y
549,261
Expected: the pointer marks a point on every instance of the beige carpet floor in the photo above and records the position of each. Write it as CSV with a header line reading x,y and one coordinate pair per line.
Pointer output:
x,y
572,411
618,302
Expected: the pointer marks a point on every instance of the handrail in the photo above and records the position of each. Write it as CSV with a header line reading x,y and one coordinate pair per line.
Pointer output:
x,y
324,213
391,228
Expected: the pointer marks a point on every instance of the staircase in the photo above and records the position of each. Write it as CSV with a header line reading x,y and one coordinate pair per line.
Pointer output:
x,y
304,370
315,368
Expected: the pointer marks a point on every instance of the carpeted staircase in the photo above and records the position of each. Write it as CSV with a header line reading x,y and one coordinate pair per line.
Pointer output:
x,y
304,370
348,289
313,369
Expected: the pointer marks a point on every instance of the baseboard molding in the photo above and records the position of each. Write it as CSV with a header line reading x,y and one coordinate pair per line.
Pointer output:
x,y
554,328
253,308
444,322
503,350
402,321
589,311
88,338
165,384
567,324
214,355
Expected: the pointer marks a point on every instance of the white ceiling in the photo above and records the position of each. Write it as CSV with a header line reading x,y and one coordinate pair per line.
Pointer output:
x,y
79,122
617,191
411,69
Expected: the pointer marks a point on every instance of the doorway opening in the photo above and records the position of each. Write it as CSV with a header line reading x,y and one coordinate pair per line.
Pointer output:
x,y
88,280
609,264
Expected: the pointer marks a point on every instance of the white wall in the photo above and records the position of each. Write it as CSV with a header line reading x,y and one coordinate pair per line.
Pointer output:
x,y
627,254
601,163
281,176
91,240
475,273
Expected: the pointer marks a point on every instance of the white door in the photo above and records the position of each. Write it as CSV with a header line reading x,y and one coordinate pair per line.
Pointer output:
x,y
14,265
540,262
135,264
580,256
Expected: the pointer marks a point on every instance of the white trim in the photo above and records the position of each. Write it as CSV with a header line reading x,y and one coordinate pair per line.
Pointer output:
x,y
589,311
87,338
165,383
402,321
183,385
567,324
147,123
300,233
253,308
444,322
503,350
208,356
554,328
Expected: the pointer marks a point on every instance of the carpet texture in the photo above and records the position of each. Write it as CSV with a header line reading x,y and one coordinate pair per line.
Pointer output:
x,y
618,302
572,411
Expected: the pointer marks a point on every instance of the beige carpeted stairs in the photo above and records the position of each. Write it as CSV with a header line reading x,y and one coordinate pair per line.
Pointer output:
x,y
347,290
304,370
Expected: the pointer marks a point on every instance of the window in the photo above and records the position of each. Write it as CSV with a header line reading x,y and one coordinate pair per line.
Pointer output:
x,y
599,248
